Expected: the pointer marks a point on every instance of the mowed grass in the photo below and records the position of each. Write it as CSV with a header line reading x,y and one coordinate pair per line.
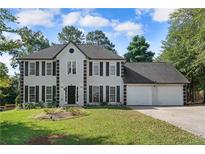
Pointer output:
x,y
103,125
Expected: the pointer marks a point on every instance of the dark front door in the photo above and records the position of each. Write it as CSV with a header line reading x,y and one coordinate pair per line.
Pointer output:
x,y
71,94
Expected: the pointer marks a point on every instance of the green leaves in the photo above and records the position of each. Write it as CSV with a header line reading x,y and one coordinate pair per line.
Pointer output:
x,y
70,33
97,37
138,50
185,43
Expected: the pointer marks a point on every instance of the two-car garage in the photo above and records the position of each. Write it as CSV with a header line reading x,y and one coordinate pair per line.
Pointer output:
x,y
154,84
154,94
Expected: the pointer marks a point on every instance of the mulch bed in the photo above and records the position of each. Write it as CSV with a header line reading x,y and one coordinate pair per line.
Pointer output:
x,y
46,140
55,116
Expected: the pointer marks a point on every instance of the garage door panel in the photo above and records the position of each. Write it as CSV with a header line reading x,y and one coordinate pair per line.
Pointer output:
x,y
169,95
139,95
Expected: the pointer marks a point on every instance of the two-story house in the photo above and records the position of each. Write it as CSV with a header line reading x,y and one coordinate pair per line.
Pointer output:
x,y
89,74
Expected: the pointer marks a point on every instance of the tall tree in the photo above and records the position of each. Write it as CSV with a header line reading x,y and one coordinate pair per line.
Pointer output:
x,y
70,33
30,42
5,18
4,81
185,46
97,37
138,50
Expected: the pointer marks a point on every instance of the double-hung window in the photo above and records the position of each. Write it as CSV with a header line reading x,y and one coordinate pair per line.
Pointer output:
x,y
96,68
49,69
96,94
71,67
32,68
48,94
74,67
112,94
112,69
32,94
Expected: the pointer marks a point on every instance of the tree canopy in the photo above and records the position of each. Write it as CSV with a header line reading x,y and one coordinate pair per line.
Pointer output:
x,y
5,44
99,38
185,44
70,33
30,42
138,50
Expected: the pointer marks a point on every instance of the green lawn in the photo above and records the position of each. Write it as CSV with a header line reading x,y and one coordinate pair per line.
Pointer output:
x,y
113,125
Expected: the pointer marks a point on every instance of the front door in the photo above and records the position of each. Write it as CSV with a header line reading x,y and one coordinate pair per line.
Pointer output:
x,y
71,94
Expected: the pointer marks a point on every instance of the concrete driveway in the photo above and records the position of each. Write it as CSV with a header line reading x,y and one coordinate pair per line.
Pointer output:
x,y
190,118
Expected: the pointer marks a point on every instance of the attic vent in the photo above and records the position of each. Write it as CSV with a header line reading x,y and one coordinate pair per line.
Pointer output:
x,y
71,50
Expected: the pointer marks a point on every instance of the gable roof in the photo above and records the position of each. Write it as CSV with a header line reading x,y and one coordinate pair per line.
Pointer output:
x,y
90,51
152,73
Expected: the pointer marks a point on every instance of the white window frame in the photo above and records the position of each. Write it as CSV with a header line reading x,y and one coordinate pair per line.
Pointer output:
x,y
98,87
71,65
98,67
47,68
51,94
113,72
33,95
111,95
34,71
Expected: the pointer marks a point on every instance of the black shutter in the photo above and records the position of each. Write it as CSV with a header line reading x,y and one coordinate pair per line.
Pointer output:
x,y
90,93
90,68
26,68
26,94
101,93
101,68
107,68
118,68
107,93
37,93
118,93
37,68
54,68
43,68
43,93
54,93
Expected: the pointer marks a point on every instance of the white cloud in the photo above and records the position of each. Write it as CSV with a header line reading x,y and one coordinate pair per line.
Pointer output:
x,y
71,18
161,15
11,36
141,11
93,21
37,17
6,59
129,28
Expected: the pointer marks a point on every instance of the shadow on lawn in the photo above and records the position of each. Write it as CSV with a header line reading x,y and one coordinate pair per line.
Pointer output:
x,y
19,133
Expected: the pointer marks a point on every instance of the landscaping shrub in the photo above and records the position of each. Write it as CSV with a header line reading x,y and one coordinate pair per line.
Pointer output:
x,y
51,104
40,104
103,103
28,106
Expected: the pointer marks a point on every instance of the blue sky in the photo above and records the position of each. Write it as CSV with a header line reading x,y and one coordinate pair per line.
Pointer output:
x,y
120,25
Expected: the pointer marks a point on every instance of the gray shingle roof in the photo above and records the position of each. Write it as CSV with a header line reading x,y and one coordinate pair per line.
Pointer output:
x,y
91,51
149,73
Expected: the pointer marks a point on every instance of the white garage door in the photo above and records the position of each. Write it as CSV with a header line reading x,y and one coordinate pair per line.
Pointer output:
x,y
169,95
139,95
155,95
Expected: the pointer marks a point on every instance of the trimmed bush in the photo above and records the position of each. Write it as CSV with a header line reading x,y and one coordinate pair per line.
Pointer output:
x,y
103,103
